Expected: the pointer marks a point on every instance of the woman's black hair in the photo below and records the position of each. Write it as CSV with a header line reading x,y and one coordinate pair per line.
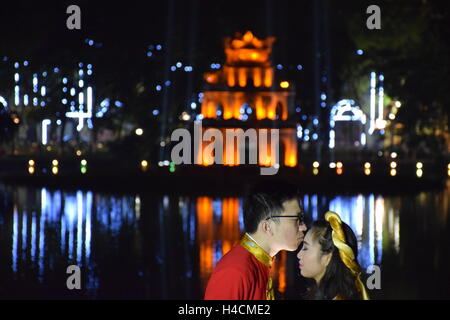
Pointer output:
x,y
338,281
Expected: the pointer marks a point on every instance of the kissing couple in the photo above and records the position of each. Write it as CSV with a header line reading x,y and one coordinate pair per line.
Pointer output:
x,y
274,221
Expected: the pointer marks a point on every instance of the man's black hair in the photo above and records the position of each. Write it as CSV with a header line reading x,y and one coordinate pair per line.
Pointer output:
x,y
266,200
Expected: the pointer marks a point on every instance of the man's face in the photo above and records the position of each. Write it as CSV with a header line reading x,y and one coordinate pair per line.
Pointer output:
x,y
289,232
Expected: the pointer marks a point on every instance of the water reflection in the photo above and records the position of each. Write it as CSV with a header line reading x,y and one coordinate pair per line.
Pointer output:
x,y
142,246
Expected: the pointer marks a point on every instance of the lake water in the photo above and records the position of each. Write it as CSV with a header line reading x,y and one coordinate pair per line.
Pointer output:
x,y
143,246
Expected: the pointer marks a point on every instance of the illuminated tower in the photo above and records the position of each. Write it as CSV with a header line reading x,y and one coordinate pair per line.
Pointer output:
x,y
245,93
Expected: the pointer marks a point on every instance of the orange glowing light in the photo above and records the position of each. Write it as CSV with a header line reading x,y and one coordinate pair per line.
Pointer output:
x,y
284,84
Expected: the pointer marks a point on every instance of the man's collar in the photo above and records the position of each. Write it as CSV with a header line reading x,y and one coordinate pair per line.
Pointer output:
x,y
253,247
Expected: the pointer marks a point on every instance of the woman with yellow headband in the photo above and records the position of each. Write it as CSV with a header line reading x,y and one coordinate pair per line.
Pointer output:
x,y
328,255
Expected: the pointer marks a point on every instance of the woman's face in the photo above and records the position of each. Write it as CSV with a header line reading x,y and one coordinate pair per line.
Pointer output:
x,y
312,262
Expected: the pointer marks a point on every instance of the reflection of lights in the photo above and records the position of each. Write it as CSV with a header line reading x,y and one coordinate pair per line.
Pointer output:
x,y
419,165
83,162
391,116
316,164
315,171
393,164
55,170
367,165
78,153
332,165
394,155
419,173
398,104
339,165
339,171
367,172
31,163
31,170
83,170
55,162
393,172
16,120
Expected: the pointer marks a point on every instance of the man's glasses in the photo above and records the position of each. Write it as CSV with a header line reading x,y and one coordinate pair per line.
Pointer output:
x,y
300,219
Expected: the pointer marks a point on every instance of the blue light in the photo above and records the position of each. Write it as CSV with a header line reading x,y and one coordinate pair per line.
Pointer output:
x,y
315,122
299,67
200,95
158,47
173,68
16,65
304,117
44,74
149,54
64,89
72,103
188,68
193,105
5,58
91,42
298,109
89,72
249,110
306,138
244,117
219,113
42,104
81,83
89,66
64,101
64,80
324,79
158,88
25,63
359,52
323,96
314,136
381,77
323,104
167,83
118,104
306,131
155,112
279,67
80,64
81,72
179,64
56,70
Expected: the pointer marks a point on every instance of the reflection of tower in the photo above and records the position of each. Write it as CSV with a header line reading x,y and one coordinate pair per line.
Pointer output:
x,y
227,235
205,237
229,228
244,94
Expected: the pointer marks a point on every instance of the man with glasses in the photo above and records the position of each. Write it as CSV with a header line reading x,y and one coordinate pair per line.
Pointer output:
x,y
273,222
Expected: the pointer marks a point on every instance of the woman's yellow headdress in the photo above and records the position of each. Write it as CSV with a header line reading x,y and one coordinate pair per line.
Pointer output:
x,y
345,252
